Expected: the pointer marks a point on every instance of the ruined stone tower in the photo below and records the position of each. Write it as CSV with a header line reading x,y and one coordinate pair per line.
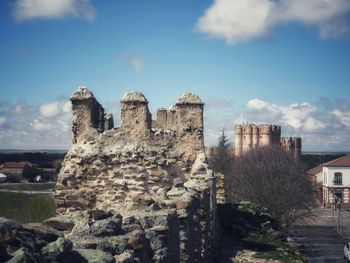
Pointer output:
x,y
135,117
252,136
89,117
186,119
155,177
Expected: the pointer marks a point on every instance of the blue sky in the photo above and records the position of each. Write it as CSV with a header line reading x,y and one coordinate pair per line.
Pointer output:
x,y
285,62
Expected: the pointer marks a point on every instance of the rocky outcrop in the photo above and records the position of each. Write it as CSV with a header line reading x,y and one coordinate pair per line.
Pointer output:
x,y
220,188
31,243
139,192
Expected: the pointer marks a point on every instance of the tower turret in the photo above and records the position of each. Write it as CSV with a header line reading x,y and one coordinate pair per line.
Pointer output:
x,y
88,114
135,117
265,135
189,123
297,143
247,138
255,136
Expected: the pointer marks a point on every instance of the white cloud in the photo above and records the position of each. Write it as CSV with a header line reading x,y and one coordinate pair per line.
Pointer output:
x,y
344,117
294,115
50,109
55,108
52,9
137,63
311,124
38,125
242,20
67,107
236,20
256,104
18,109
46,126
2,120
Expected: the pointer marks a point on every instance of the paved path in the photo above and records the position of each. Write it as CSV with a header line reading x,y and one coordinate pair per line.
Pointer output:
x,y
319,239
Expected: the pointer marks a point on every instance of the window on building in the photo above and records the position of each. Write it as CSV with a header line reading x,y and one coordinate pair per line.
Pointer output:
x,y
338,178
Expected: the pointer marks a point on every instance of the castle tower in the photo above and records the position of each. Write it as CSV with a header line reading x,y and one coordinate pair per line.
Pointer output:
x,y
275,134
255,136
297,151
247,141
135,117
88,114
265,135
188,123
238,140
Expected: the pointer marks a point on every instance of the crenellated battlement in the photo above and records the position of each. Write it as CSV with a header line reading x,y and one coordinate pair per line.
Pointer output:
x,y
251,136
184,119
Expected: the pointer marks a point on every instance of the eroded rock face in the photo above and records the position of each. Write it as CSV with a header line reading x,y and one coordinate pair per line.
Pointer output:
x,y
156,179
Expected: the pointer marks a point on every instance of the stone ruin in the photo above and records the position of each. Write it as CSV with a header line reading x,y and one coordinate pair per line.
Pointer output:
x,y
153,173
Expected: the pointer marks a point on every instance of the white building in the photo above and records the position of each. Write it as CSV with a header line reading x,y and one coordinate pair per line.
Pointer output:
x,y
3,178
336,181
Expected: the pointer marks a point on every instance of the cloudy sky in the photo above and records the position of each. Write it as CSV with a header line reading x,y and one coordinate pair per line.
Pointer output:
x,y
264,61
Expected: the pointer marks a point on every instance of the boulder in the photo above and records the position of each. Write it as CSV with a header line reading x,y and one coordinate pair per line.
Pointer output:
x,y
107,227
98,214
43,232
9,224
25,255
59,223
114,245
56,250
125,257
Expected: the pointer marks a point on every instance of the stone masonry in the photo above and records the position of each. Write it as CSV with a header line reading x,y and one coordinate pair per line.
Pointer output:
x,y
157,176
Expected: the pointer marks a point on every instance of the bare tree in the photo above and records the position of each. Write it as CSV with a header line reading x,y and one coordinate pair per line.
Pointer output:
x,y
271,177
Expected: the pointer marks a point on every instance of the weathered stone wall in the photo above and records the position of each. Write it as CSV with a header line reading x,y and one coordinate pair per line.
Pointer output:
x,y
162,119
158,176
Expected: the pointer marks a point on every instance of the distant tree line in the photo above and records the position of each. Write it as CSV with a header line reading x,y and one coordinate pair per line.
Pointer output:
x,y
42,159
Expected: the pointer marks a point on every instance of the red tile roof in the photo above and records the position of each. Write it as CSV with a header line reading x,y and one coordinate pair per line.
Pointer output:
x,y
17,165
315,170
340,162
